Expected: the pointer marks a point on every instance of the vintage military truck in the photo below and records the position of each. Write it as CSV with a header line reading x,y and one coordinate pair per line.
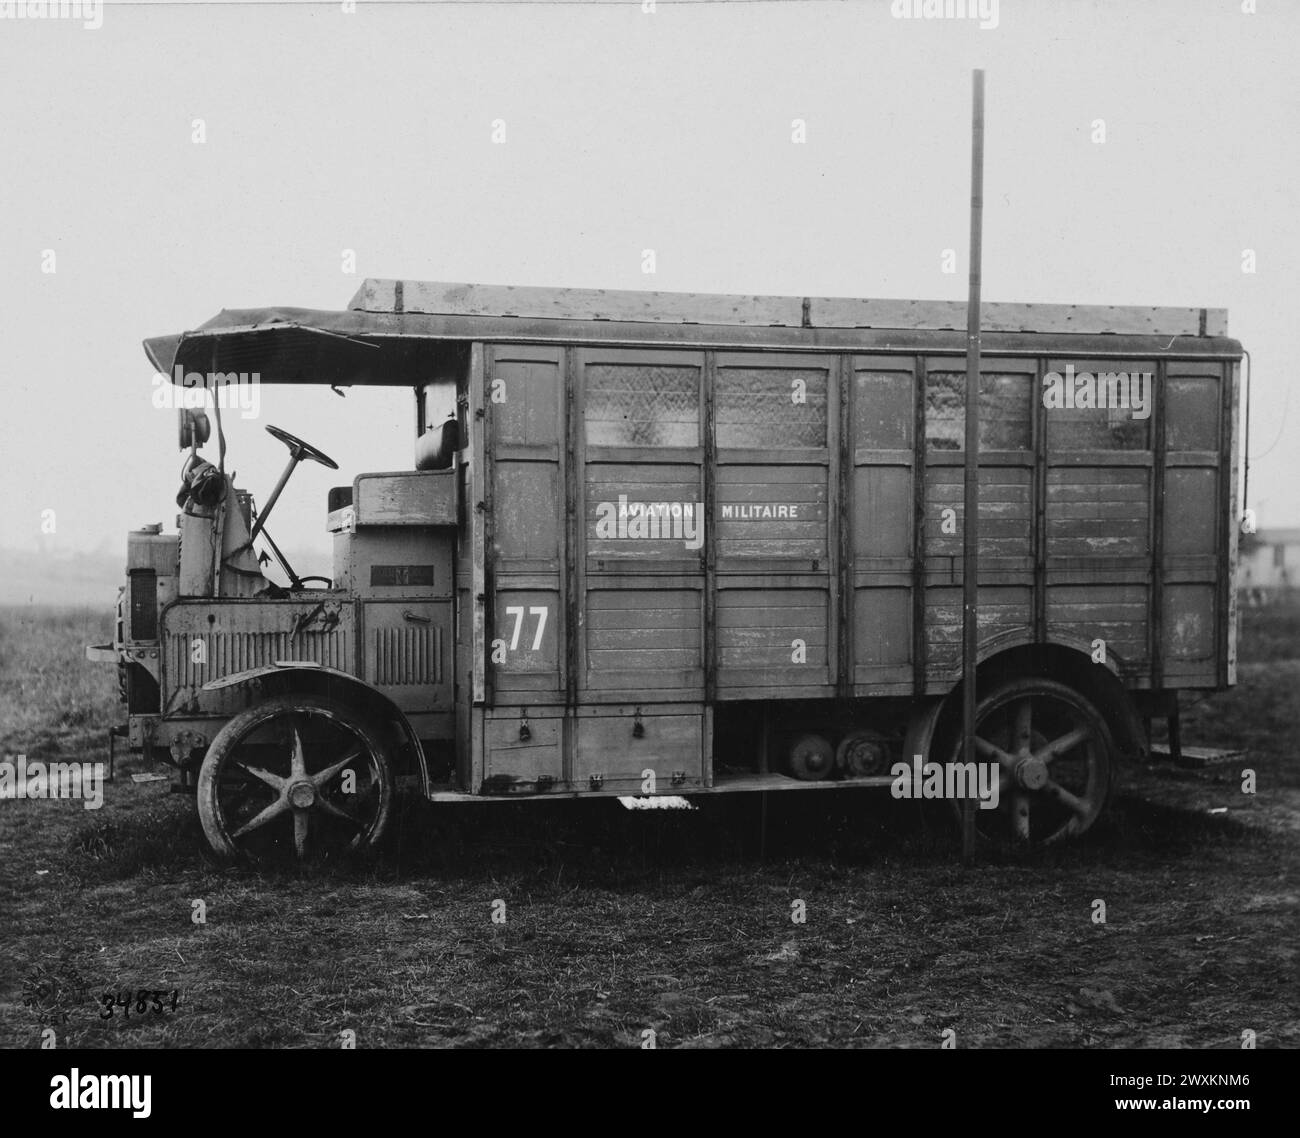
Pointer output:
x,y
671,544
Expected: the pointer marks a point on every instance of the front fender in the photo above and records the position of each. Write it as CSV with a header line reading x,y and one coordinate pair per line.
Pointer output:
x,y
317,679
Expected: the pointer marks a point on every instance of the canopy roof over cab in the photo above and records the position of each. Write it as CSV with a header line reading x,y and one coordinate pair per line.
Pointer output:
x,y
401,332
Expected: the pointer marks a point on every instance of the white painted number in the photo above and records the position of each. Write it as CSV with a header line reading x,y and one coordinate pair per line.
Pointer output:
x,y
517,611
540,613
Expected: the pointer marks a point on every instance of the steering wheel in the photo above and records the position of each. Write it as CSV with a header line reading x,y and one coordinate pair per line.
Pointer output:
x,y
300,449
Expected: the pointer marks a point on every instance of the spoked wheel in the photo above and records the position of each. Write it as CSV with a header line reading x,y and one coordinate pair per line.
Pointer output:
x,y
295,778
1055,756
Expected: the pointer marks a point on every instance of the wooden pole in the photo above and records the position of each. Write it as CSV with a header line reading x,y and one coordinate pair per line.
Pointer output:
x,y
971,501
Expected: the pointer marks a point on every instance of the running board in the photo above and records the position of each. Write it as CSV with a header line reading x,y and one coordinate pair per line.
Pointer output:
x,y
723,784
1198,758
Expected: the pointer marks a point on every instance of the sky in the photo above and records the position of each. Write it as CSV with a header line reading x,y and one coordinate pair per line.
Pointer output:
x,y
1138,154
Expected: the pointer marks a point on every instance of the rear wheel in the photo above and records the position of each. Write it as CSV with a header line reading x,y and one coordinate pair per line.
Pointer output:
x,y
295,778
1055,762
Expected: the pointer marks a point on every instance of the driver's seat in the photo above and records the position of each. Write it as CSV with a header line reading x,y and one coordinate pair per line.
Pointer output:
x,y
339,497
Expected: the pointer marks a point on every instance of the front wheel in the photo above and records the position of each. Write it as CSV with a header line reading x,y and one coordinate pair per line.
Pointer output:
x,y
1054,757
295,778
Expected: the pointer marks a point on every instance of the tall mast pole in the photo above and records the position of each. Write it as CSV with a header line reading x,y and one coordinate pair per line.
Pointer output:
x,y
971,500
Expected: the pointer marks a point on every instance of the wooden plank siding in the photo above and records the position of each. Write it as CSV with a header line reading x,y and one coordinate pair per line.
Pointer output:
x,y
704,525
1194,609
775,521
1101,518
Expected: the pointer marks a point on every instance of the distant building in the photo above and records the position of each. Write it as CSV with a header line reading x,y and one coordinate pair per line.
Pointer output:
x,y
1270,562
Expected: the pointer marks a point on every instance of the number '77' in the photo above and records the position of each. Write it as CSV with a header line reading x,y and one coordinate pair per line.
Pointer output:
x,y
517,611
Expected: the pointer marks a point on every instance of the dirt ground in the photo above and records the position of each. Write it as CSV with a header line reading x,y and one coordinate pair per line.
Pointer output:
x,y
611,925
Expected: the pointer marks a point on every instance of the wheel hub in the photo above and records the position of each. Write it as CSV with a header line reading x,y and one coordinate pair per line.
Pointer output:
x,y
865,757
302,795
1031,773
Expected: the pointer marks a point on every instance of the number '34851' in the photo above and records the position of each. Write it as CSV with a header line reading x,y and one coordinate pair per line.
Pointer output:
x,y
141,1001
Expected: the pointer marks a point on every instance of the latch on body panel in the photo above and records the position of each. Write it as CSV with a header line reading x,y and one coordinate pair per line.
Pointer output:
x,y
638,728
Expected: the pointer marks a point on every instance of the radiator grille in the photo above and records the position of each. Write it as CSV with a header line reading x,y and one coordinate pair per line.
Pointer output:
x,y
405,656
229,652
144,604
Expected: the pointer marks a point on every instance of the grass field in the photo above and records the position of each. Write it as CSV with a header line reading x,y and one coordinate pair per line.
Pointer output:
x,y
620,923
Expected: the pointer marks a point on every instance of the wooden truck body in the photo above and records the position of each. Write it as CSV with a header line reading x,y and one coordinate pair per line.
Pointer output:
x,y
691,544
